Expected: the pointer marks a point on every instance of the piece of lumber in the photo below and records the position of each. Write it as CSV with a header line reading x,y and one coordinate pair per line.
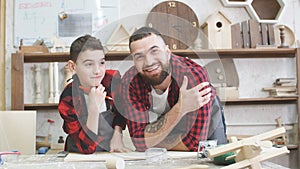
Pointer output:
x,y
255,36
245,32
262,157
236,36
237,145
195,166
247,152
271,34
264,33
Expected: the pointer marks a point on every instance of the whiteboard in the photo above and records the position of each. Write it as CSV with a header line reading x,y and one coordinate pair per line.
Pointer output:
x,y
38,19
18,131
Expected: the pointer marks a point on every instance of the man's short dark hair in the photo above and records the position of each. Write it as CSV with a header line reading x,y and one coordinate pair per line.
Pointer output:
x,y
142,33
83,43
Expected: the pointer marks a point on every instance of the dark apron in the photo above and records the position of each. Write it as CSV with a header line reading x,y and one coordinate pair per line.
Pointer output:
x,y
105,130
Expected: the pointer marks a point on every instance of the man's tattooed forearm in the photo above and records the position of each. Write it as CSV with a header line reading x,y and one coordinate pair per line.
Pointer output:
x,y
170,141
154,127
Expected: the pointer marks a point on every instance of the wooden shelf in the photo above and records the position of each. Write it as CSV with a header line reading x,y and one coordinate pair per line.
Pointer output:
x,y
41,106
267,100
239,53
238,101
292,147
20,58
203,54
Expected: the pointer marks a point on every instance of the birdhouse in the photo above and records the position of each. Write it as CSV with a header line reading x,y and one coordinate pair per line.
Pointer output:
x,y
119,39
218,32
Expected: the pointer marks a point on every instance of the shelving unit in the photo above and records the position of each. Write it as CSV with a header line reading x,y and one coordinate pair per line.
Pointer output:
x,y
244,101
19,59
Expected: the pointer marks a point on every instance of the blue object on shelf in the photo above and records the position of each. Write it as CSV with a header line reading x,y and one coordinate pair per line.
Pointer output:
x,y
1,162
43,150
16,152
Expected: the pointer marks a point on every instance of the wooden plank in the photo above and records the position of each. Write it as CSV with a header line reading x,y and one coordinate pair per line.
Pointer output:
x,y
245,33
236,36
271,35
158,19
2,54
255,36
193,28
251,140
181,24
174,27
255,162
29,49
17,81
264,33
189,22
173,20
203,53
237,101
298,101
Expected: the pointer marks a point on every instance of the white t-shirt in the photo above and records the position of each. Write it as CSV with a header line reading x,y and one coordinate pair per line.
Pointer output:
x,y
160,104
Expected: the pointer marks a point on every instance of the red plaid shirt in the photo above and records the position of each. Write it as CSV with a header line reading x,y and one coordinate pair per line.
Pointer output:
x,y
136,97
73,110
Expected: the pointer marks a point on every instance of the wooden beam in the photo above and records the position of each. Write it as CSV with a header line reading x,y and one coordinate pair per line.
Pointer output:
x,y
255,161
298,101
17,81
2,54
247,141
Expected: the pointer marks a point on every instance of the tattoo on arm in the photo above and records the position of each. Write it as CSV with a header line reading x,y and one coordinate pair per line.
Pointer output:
x,y
170,141
154,127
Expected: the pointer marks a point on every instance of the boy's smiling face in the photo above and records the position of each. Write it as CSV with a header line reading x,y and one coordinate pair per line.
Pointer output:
x,y
89,67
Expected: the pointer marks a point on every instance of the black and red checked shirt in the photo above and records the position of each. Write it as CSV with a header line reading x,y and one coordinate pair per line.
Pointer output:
x,y
72,108
137,102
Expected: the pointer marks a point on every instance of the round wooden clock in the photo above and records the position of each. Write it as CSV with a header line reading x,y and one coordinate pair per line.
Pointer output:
x,y
176,21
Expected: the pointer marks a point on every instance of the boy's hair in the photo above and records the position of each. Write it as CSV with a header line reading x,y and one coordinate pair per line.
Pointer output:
x,y
84,43
142,33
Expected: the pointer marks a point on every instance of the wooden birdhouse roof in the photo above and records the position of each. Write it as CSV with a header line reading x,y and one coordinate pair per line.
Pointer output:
x,y
213,17
120,35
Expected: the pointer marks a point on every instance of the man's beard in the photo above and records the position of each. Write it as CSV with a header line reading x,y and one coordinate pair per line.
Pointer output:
x,y
156,80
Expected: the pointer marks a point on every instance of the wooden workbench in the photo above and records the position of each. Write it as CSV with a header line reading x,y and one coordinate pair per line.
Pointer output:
x,y
50,161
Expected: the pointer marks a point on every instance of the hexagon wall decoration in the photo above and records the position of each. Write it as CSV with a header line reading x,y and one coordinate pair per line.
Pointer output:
x,y
235,3
266,11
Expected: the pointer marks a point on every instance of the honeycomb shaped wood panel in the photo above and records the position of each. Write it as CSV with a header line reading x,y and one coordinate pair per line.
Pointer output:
x,y
237,3
267,11
264,11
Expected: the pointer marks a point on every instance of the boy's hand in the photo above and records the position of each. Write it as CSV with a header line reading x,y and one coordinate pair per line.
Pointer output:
x,y
116,143
97,96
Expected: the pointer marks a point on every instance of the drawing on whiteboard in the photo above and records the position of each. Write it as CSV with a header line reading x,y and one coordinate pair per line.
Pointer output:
x,y
39,19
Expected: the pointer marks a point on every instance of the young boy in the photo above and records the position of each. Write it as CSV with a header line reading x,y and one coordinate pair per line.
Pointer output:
x,y
86,105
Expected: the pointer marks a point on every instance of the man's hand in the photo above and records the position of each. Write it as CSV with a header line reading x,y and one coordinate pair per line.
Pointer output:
x,y
194,98
156,133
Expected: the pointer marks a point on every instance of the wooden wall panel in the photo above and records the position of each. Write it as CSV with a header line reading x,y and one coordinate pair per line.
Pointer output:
x,y
2,54
236,36
17,81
